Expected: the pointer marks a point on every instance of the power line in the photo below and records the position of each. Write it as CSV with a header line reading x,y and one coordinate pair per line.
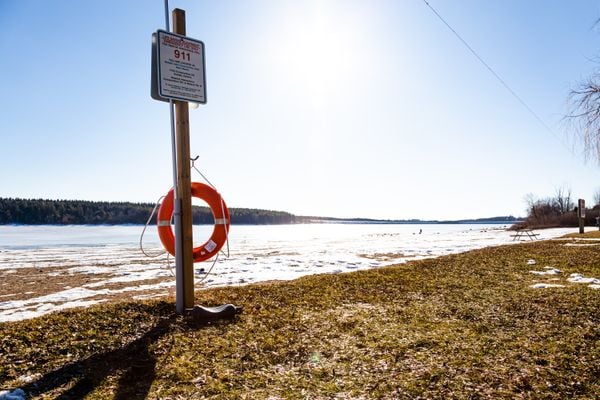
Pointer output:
x,y
497,76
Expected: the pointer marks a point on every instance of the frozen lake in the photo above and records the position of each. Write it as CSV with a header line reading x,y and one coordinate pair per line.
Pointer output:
x,y
110,260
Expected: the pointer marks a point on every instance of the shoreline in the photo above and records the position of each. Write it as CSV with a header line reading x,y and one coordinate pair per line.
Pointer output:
x,y
71,276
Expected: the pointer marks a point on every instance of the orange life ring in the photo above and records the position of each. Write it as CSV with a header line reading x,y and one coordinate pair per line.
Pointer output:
x,y
220,214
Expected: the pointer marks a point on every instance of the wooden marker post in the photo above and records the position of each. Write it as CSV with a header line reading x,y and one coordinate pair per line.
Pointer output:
x,y
581,214
185,287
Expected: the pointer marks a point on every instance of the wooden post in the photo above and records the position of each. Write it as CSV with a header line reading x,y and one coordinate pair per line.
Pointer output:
x,y
581,214
185,282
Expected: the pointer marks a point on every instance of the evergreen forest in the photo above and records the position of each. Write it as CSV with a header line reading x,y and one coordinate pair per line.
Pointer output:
x,y
65,212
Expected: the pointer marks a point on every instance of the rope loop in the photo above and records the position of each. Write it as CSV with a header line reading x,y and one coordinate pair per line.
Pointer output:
x,y
226,255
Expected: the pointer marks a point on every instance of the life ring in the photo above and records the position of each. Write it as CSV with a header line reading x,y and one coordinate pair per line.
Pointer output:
x,y
220,214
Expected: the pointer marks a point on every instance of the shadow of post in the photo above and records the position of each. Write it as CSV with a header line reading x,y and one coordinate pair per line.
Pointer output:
x,y
134,362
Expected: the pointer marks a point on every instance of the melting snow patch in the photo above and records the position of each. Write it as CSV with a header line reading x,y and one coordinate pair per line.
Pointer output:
x,y
531,262
17,394
545,285
594,286
25,311
578,278
63,296
548,271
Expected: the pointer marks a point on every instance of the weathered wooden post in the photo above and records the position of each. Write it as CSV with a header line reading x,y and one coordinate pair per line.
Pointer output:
x,y
581,215
184,187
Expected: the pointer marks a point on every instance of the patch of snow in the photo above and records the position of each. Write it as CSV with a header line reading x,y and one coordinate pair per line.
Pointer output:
x,y
62,296
39,309
579,278
132,276
531,262
548,271
546,285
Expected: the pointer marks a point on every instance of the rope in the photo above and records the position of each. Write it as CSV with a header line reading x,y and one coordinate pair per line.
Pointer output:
x,y
193,160
142,238
144,231
200,280
193,166
169,265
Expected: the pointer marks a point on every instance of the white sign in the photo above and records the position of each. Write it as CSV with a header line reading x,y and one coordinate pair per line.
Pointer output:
x,y
181,68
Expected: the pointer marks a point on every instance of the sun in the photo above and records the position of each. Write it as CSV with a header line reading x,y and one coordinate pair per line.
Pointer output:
x,y
316,56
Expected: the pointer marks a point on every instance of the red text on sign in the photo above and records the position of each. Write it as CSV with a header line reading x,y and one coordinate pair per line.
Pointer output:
x,y
184,55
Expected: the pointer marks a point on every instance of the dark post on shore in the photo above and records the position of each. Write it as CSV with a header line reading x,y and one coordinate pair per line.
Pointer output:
x,y
581,214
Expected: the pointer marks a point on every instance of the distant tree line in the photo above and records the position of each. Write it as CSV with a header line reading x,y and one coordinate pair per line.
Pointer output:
x,y
79,212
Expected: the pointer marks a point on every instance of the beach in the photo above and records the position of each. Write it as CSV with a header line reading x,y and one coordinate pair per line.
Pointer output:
x,y
51,268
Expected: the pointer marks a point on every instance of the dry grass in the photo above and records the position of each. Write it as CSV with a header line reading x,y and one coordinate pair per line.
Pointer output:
x,y
589,234
465,326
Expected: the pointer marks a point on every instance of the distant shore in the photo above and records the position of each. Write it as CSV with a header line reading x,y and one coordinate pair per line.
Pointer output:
x,y
78,212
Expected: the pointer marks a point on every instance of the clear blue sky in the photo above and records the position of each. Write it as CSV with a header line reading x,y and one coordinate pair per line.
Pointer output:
x,y
344,108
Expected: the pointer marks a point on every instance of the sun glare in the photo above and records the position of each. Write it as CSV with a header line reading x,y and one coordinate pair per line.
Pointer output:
x,y
314,55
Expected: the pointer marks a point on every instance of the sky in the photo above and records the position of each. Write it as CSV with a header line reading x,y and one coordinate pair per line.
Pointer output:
x,y
348,108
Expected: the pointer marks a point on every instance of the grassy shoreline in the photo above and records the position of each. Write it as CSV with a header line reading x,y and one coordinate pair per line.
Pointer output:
x,y
461,326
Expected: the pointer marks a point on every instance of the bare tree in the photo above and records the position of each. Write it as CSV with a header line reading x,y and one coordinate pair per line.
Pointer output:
x,y
562,200
584,115
596,197
530,200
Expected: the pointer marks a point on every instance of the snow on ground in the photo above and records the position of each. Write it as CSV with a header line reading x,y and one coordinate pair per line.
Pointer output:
x,y
547,271
573,278
579,278
92,264
546,285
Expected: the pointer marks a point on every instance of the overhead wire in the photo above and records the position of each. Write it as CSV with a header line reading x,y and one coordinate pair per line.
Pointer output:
x,y
499,78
